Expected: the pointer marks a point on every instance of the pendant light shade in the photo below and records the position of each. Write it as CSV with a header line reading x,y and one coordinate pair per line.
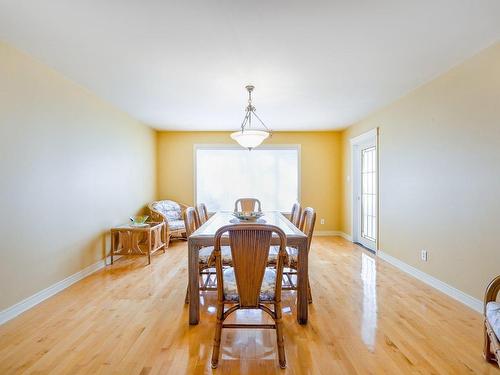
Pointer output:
x,y
249,137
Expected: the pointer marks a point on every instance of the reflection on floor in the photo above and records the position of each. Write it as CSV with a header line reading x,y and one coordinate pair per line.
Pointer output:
x,y
367,317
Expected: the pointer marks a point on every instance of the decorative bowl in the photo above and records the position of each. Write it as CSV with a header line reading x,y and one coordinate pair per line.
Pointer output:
x,y
138,221
247,215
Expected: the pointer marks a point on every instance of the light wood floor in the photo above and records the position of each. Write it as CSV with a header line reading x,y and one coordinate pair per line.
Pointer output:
x,y
130,318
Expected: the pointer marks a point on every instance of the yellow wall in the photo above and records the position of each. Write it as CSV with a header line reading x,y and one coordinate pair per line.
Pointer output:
x,y
440,174
71,167
320,168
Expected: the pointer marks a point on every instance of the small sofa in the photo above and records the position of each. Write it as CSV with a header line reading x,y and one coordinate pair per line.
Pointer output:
x,y
492,322
171,213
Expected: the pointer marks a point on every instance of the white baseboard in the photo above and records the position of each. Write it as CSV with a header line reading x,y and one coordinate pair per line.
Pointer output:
x,y
26,304
328,233
447,289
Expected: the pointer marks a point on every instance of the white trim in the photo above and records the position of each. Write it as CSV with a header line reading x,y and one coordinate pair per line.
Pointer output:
x,y
370,134
329,233
447,289
229,146
26,304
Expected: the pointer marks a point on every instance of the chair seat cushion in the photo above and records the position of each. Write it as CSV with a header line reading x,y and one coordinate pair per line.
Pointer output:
x,y
267,290
493,316
206,252
171,210
293,254
274,251
176,224
273,254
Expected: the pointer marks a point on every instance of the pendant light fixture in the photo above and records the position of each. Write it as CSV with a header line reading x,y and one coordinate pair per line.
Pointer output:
x,y
251,137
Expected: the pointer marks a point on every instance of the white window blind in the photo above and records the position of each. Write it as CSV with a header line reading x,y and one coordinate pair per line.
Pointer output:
x,y
226,174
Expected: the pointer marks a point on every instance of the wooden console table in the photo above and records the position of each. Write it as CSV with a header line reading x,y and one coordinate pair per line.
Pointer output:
x,y
137,241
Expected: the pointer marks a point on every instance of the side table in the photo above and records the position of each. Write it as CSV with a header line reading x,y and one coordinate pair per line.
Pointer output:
x,y
137,240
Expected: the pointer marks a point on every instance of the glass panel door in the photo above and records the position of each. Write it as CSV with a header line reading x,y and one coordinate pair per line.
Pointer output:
x,y
364,171
369,194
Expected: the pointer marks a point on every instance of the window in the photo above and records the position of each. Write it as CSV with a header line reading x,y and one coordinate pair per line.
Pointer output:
x,y
224,174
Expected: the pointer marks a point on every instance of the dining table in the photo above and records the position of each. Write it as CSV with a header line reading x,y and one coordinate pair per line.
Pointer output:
x,y
205,235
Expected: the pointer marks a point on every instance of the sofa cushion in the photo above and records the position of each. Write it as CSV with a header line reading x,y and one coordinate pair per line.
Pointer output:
x,y
493,316
267,290
171,210
176,224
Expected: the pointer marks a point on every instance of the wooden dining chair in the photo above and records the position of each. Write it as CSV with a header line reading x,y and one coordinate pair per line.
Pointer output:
x,y
247,204
206,260
307,222
295,214
249,284
201,210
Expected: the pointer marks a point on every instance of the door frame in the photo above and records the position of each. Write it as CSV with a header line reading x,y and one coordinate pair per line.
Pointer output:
x,y
355,144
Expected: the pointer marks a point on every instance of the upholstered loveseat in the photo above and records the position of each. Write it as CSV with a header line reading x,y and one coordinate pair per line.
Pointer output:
x,y
492,322
171,213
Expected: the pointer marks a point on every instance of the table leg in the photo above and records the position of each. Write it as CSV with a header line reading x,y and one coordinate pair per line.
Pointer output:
x,y
149,247
194,288
302,281
112,246
162,235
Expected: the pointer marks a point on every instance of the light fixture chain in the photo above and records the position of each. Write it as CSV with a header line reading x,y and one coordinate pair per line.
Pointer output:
x,y
262,122
244,121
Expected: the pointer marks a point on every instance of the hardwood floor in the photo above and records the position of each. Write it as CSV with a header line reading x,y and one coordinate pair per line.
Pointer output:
x,y
367,317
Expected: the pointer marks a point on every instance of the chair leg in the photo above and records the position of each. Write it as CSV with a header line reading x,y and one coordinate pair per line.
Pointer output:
x,y
186,299
309,294
218,334
279,335
488,356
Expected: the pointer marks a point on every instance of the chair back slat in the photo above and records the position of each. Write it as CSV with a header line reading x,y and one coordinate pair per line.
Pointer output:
x,y
249,252
202,211
307,222
190,220
247,204
295,215
250,244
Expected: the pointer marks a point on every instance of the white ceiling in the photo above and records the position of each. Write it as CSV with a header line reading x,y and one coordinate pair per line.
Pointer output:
x,y
315,64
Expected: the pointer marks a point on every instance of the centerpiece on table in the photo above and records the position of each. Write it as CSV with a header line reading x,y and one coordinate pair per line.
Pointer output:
x,y
248,215
139,221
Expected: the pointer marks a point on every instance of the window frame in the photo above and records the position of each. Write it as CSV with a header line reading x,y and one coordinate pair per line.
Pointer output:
x,y
226,146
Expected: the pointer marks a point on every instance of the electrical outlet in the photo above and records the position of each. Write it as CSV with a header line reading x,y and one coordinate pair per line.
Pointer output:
x,y
322,221
423,255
